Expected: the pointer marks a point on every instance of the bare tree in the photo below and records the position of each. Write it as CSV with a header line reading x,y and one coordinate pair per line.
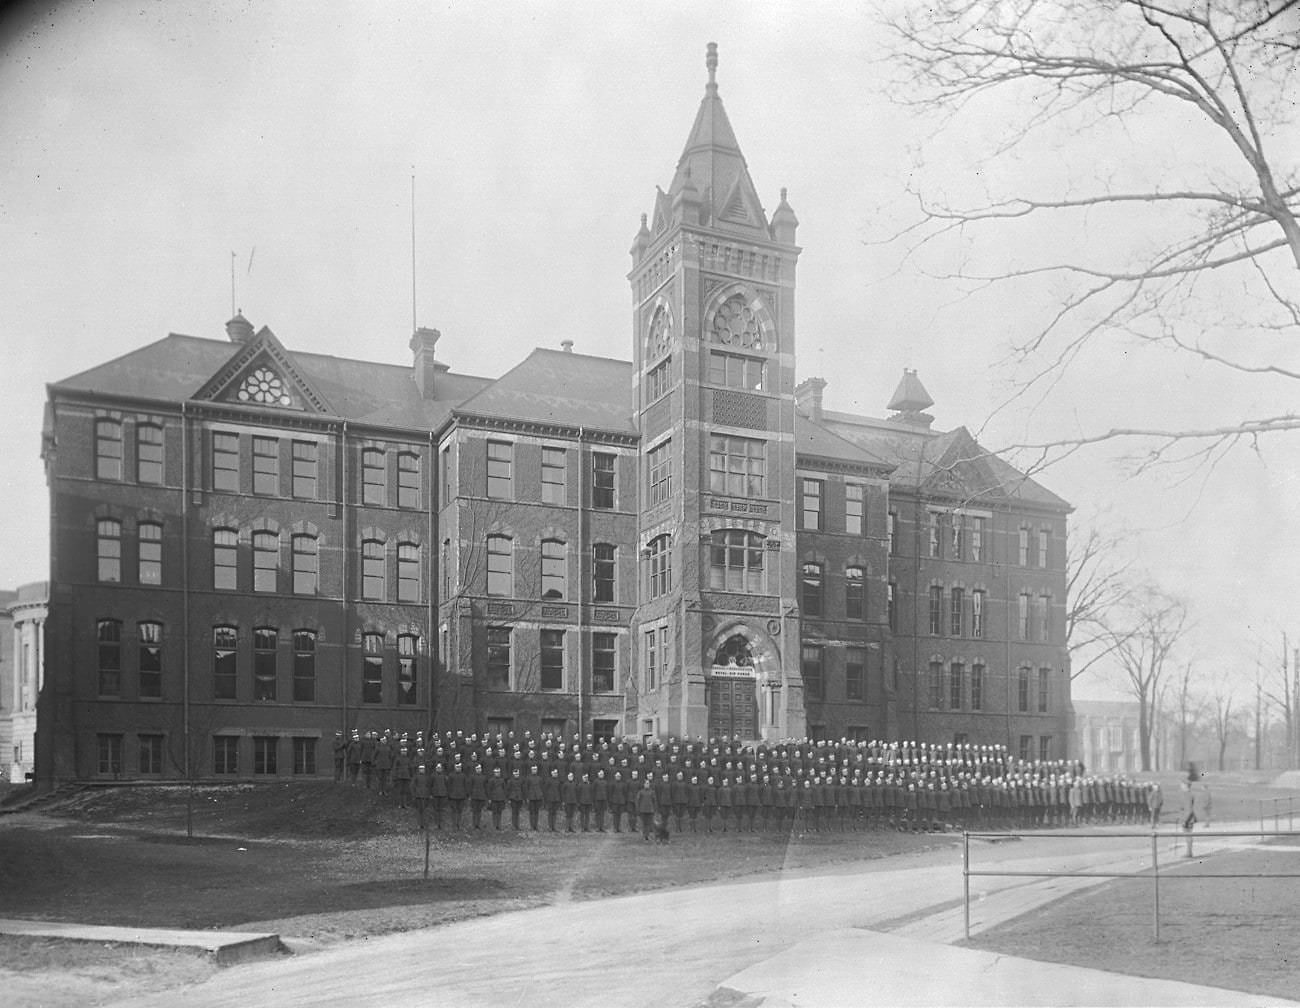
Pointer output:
x,y
1221,212
1223,718
1185,706
1152,627
1277,683
1095,587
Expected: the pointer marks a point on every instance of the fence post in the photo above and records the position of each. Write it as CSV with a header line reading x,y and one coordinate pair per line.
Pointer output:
x,y
1155,875
1261,815
965,878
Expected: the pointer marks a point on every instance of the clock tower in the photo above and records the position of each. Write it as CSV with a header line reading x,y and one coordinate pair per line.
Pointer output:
x,y
717,626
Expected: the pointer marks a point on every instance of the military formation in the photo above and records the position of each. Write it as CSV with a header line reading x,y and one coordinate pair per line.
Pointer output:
x,y
457,781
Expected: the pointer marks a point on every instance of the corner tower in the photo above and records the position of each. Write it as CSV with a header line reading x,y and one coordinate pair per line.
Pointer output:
x,y
717,629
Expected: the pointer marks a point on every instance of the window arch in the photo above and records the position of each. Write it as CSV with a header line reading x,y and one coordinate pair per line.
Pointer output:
x,y
108,548
408,572
811,586
736,561
659,335
408,480
148,453
740,322
554,569
108,449
373,476
266,561
372,569
660,557
736,652
306,564
855,592
500,566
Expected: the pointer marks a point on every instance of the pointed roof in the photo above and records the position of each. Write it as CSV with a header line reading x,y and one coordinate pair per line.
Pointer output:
x,y
910,396
262,373
712,163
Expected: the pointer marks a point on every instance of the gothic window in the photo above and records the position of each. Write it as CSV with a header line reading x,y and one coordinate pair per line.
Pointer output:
x,y
735,652
735,324
660,337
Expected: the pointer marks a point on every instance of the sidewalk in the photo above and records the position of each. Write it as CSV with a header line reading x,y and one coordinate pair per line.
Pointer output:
x,y
225,947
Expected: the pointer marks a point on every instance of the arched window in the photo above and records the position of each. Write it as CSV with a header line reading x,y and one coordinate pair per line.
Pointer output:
x,y
265,642
500,566
407,693
149,558
603,571
149,453
108,633
108,534
266,561
306,565
811,583
372,668
553,569
150,659
373,476
735,652
736,561
408,480
372,570
736,324
855,592
304,665
661,566
108,450
408,572
224,678
225,558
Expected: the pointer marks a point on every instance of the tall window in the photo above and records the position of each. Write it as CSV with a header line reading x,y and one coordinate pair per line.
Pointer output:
x,y
372,570
552,659
651,659
935,535
855,593
408,572
736,561
661,566
956,686
977,687
109,548
304,755
225,754
108,450
957,600
372,668
224,680
408,480
225,462
811,582
498,658
150,660
811,503
306,565
737,465
554,569
1044,748
1044,690
108,634
1026,748
304,666
977,538
500,463
855,673
602,480
266,561
265,750
1041,556
603,570
855,505
602,662
936,610
736,371
1024,546
407,692
958,551
374,476
266,466
659,462
1023,625
500,566
149,453
265,641
814,682
936,684
554,475
891,532
891,605
225,558
305,469
1022,689
151,754
977,612
149,557
447,488
110,755
1044,617
658,380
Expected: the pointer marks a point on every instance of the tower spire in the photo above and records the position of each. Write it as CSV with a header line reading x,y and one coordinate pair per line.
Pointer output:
x,y
711,62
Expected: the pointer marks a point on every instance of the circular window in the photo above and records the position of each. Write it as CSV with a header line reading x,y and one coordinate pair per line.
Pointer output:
x,y
264,386
735,324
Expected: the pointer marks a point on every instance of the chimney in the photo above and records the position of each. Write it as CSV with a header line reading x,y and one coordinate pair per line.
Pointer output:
x,y
566,345
423,343
239,329
808,397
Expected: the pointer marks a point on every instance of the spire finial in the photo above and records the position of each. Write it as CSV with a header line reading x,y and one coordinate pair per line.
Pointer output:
x,y
711,62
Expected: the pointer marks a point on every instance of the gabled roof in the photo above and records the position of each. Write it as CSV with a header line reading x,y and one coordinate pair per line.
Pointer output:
x,y
178,367
276,381
557,387
813,439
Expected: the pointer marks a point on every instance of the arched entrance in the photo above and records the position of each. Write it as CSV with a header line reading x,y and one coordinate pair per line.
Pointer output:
x,y
733,690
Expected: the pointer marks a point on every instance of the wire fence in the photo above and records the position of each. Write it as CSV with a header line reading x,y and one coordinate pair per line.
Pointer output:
x,y
1274,809
1153,874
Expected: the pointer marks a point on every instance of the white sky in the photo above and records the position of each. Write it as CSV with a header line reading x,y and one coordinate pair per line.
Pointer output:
x,y
142,143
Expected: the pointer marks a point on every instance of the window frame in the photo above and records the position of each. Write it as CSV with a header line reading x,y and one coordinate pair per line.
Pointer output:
x,y
372,668
978,613
374,570
149,662
500,574
225,755
225,662
956,685
225,462
304,665
108,662
225,559
108,551
301,568
855,673
409,576
604,572
374,477
500,456
409,480
551,668
266,466
977,671
108,460
732,544
855,508
306,470
148,560
499,666
266,648
659,473
150,754
604,662
553,569
736,371
603,480
737,465
408,681
812,588
660,565
812,503
266,578
855,592
149,454
812,667
956,611
936,610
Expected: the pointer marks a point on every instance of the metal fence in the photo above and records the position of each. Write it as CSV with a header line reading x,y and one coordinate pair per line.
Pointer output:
x,y
1275,811
1152,874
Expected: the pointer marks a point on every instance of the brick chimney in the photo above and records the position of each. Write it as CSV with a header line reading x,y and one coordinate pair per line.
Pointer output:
x,y
808,397
423,343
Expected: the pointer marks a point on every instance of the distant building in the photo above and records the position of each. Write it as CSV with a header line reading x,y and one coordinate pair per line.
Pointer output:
x,y
255,547
1107,734
22,655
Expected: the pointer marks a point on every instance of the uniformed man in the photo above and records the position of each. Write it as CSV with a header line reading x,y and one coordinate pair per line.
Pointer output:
x,y
340,756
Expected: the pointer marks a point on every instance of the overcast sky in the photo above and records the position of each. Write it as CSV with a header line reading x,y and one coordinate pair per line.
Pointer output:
x,y
142,143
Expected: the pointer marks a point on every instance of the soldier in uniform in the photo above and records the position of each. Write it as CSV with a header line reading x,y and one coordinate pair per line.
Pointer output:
x,y
515,796
533,795
383,762
420,791
552,797
368,746
354,757
495,788
402,772
646,807
340,757
599,799
478,796
457,793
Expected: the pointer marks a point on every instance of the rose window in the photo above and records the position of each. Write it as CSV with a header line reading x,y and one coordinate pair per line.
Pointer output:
x,y
735,324
661,334
264,386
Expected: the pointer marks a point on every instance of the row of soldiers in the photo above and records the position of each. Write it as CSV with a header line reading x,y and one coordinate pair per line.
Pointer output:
x,y
725,786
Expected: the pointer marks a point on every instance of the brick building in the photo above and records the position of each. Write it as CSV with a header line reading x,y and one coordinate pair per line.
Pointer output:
x,y
254,546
